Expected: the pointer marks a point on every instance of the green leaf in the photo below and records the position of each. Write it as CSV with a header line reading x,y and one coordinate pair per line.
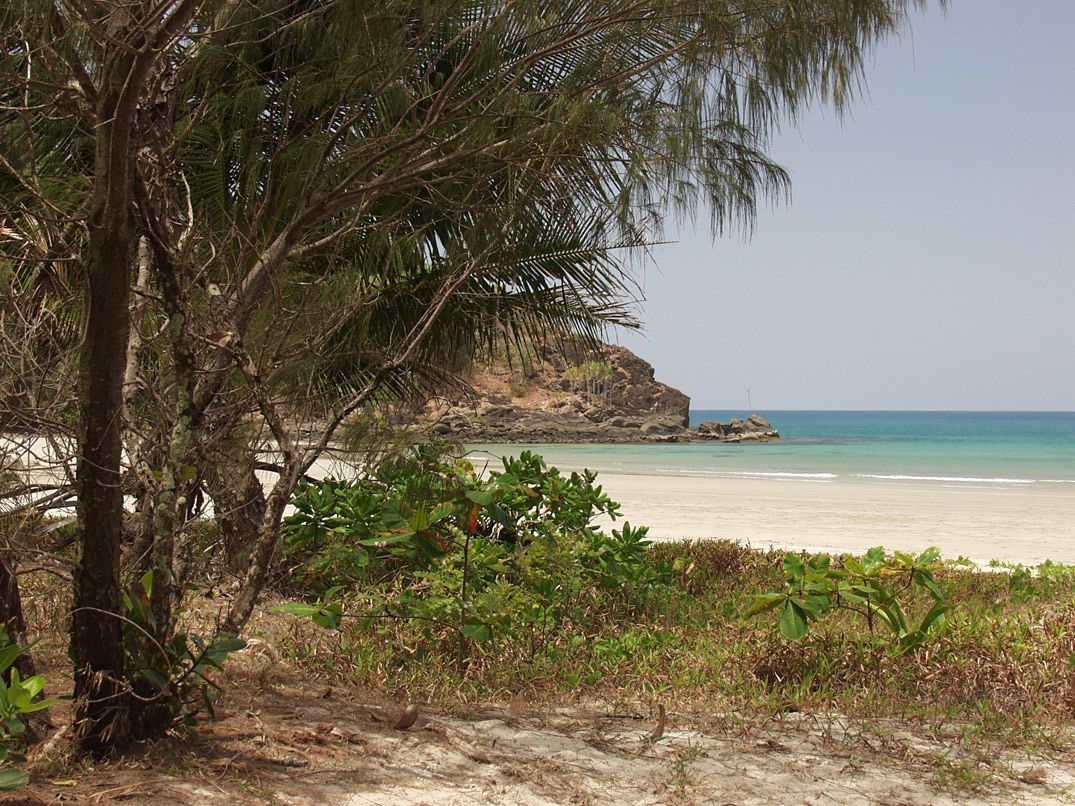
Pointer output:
x,y
12,779
854,566
296,609
793,622
892,616
929,556
482,498
935,615
159,681
40,705
188,472
477,631
328,616
874,556
227,646
764,601
793,566
440,512
8,655
906,560
820,563
926,580
396,516
814,605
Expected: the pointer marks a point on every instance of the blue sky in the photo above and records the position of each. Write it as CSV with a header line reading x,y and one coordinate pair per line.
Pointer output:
x,y
926,258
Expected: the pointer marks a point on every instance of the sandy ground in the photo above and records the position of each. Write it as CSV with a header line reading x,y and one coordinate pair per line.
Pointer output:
x,y
1014,524
285,740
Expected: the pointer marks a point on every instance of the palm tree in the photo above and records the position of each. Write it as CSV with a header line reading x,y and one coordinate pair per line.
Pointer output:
x,y
391,182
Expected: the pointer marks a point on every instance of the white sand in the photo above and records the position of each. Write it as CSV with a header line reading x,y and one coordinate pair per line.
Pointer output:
x,y
1012,524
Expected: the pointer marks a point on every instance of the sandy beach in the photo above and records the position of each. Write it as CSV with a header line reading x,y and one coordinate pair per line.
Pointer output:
x,y
1013,524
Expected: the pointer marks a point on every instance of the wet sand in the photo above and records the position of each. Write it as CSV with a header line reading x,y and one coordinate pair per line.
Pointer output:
x,y
1012,524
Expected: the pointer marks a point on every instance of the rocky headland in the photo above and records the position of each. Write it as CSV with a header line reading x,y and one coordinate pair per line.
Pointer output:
x,y
605,395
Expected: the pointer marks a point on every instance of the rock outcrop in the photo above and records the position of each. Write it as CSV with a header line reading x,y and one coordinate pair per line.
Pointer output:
x,y
607,395
755,427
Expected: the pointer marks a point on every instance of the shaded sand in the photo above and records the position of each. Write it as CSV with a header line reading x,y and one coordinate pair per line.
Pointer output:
x,y
1013,524
283,738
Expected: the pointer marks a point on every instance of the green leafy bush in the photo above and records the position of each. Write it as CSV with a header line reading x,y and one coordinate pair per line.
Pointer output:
x,y
513,553
174,675
16,698
873,588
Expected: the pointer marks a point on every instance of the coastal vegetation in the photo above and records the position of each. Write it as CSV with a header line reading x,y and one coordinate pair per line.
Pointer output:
x,y
233,230
429,582
886,645
556,605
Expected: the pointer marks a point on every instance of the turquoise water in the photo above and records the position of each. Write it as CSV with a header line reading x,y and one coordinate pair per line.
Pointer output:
x,y
979,449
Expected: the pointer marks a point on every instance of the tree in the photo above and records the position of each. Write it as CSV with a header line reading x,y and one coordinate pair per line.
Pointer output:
x,y
306,207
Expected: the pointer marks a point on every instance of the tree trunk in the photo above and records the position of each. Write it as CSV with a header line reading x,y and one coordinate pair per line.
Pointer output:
x,y
11,615
239,503
14,621
96,630
261,552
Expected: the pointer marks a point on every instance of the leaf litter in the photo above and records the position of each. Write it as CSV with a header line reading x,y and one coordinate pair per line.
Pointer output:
x,y
282,738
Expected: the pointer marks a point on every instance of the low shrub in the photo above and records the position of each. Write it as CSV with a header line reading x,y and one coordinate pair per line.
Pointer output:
x,y
510,556
876,587
17,697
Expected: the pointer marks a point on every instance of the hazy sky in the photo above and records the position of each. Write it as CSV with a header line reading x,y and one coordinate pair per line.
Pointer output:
x,y
925,261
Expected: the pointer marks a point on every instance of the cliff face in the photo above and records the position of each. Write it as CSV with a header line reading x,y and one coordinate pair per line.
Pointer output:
x,y
606,395
635,389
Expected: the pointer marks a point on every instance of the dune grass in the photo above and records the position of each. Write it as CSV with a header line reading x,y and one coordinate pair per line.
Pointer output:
x,y
999,673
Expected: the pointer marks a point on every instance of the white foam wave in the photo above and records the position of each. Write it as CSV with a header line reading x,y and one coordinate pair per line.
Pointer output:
x,y
956,479
785,475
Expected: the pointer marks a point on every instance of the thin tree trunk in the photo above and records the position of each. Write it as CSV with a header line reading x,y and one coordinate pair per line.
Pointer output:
x,y
11,615
261,554
14,621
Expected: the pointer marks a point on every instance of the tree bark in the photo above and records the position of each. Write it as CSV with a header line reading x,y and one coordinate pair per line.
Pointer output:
x,y
11,614
239,503
96,630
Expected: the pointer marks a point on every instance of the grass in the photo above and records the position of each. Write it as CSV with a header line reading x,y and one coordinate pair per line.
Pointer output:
x,y
999,674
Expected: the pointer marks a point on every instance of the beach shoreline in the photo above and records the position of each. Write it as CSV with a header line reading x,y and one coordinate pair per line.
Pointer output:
x,y
1019,525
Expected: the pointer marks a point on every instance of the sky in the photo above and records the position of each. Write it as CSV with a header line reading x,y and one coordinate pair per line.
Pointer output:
x,y
925,261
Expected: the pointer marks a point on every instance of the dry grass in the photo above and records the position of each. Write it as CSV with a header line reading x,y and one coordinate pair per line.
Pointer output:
x,y
999,677
1001,672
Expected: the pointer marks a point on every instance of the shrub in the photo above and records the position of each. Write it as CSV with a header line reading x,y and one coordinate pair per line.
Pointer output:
x,y
16,698
168,678
873,588
511,555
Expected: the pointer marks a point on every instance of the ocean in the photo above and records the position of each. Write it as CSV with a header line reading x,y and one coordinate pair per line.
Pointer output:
x,y
946,449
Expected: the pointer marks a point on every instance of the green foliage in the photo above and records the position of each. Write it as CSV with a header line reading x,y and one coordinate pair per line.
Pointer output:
x,y
16,698
174,674
1043,581
513,554
872,587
